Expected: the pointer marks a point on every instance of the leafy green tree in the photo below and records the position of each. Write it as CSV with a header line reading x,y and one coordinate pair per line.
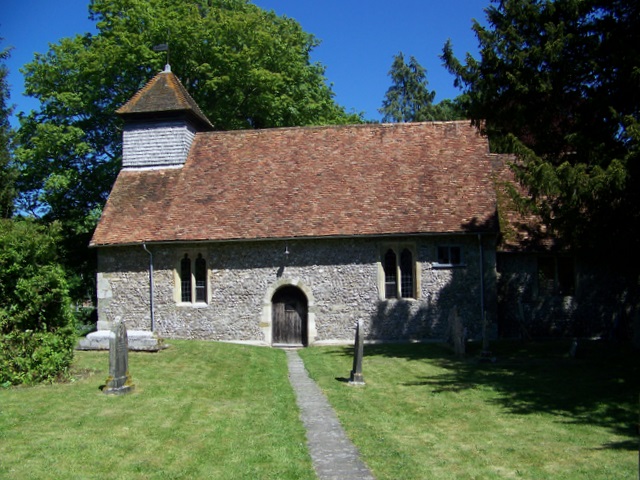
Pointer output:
x,y
245,67
408,99
557,84
37,334
7,172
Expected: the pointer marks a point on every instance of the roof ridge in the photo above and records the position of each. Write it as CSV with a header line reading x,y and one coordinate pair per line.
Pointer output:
x,y
402,125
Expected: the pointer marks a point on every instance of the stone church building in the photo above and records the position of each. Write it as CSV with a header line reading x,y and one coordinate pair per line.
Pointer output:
x,y
288,236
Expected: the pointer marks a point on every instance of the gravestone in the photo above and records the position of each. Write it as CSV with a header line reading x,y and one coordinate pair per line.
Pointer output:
x,y
458,333
358,351
119,381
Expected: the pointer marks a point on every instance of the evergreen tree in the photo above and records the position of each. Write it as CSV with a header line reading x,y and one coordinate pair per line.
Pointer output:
x,y
408,99
557,84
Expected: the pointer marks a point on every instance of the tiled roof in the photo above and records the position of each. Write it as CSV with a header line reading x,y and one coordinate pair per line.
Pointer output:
x,y
379,179
164,94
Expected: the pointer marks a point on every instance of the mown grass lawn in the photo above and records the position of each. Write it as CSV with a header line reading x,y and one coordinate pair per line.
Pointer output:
x,y
533,414
213,410
199,410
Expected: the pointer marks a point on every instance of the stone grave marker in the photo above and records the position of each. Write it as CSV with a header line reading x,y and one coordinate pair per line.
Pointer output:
x,y
119,381
358,351
458,333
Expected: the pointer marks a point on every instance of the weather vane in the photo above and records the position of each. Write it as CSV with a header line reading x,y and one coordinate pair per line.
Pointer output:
x,y
163,47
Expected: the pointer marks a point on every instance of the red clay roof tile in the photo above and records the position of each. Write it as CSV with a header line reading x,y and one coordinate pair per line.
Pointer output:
x,y
378,179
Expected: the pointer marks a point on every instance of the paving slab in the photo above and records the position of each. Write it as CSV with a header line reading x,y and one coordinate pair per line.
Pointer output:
x,y
334,456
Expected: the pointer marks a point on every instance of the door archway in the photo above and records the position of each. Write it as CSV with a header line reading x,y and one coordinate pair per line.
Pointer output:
x,y
290,310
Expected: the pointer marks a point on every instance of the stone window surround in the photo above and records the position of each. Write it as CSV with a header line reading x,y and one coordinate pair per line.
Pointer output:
x,y
397,248
177,287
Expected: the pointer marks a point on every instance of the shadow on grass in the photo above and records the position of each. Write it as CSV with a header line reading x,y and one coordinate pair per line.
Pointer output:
x,y
600,386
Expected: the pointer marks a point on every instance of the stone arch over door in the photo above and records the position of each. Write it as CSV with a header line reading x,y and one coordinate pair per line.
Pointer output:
x,y
288,297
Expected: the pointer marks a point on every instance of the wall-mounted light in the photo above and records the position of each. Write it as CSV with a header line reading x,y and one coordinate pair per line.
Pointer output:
x,y
286,248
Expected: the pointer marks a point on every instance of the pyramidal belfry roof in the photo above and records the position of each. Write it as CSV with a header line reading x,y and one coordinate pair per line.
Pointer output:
x,y
164,95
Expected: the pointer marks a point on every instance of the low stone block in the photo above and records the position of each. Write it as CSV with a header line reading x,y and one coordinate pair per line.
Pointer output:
x,y
139,340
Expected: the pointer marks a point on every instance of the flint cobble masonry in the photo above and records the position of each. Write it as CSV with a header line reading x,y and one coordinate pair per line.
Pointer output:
x,y
341,279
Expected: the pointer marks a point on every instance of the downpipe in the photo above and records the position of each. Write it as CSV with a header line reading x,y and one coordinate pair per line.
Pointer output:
x,y
151,306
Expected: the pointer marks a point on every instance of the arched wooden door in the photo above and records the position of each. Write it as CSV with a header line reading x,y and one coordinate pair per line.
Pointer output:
x,y
289,317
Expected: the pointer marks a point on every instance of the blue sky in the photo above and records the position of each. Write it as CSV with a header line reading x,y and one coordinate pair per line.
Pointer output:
x,y
359,39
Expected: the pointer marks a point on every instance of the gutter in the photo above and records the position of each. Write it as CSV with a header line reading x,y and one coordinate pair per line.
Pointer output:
x,y
381,236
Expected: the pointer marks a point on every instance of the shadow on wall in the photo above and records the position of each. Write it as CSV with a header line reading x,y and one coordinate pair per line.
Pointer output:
x,y
451,310
454,308
605,303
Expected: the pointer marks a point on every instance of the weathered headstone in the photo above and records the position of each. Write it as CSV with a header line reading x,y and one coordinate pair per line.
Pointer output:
x,y
458,332
358,351
119,381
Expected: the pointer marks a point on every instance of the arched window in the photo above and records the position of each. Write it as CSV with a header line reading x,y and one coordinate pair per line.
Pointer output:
x,y
406,274
193,279
201,279
185,279
399,277
390,275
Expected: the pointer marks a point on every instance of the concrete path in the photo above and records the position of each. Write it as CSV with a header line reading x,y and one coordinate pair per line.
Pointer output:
x,y
334,456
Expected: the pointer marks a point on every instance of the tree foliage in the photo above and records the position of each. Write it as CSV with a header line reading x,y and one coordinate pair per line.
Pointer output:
x,y
37,334
7,171
409,99
245,67
557,83
449,109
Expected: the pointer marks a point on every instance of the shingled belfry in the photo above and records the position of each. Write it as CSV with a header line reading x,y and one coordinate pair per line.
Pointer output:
x,y
285,236
161,121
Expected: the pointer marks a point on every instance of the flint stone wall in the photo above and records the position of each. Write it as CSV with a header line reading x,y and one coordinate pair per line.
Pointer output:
x,y
341,279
